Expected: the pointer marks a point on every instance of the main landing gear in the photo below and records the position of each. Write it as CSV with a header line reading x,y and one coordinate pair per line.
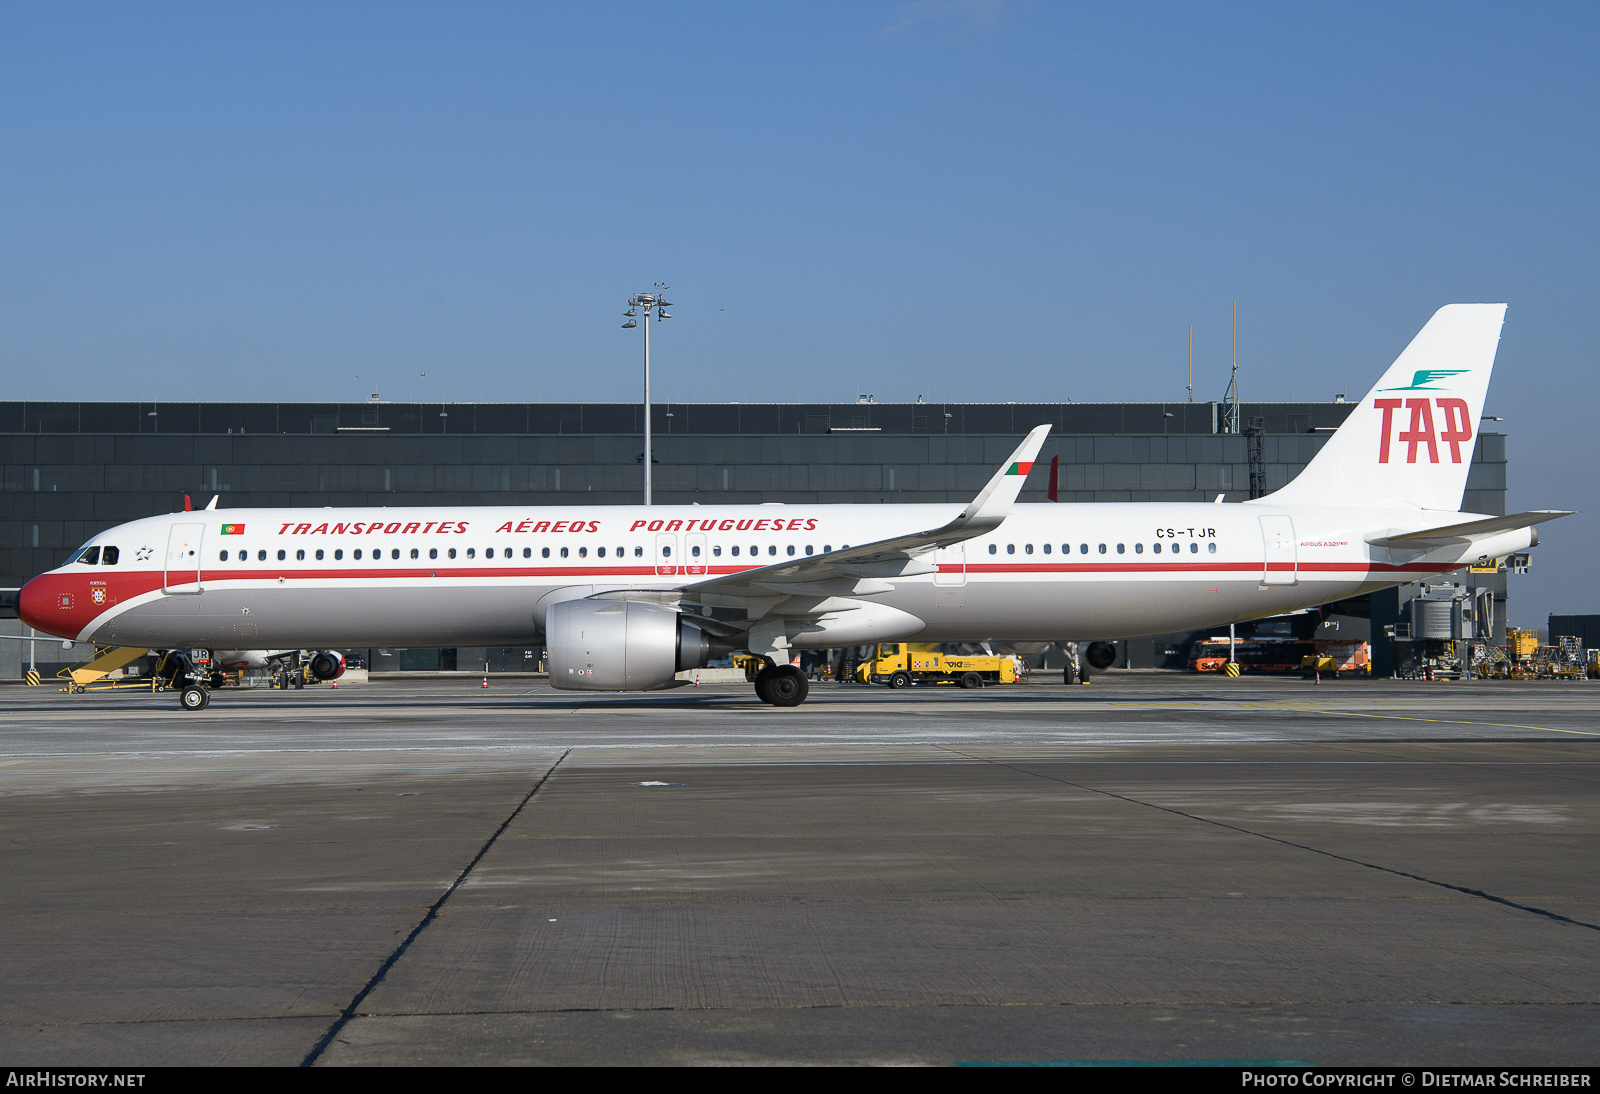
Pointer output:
x,y
782,685
194,697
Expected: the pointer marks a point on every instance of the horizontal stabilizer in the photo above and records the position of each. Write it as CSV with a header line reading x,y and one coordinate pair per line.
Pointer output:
x,y
1465,533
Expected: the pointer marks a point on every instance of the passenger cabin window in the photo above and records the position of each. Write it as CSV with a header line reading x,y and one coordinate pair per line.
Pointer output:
x,y
452,553
433,552
300,555
583,552
1212,547
1028,549
90,556
600,552
339,553
415,553
1046,548
356,554
790,551
1083,548
223,556
735,551
716,552
1138,548
638,552
993,548
108,556
563,552
527,552
1102,548
472,552
282,555
261,556
1121,550
544,552
319,554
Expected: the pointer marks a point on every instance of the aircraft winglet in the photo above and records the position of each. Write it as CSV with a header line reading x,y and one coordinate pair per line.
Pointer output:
x,y
904,555
994,501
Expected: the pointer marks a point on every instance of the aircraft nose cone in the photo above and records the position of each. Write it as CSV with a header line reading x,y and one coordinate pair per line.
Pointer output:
x,y
35,601
30,603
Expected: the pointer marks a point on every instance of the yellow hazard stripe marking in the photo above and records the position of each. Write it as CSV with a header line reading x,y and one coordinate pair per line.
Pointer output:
x,y
1453,721
1303,706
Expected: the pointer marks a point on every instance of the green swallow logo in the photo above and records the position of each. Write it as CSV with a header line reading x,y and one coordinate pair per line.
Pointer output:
x,y
1426,376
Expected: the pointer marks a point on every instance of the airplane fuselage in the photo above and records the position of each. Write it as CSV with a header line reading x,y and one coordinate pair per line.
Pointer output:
x,y
483,576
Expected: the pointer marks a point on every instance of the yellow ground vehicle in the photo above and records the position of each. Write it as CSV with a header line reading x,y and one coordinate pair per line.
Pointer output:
x,y
901,664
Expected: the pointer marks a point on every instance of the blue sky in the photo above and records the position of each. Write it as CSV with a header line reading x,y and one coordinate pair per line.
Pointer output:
x,y
966,200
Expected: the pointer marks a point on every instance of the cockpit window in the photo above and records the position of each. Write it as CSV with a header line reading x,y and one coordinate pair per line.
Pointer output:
x,y
108,556
90,556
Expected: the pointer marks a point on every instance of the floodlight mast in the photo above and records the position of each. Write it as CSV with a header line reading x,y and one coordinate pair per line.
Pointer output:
x,y
649,301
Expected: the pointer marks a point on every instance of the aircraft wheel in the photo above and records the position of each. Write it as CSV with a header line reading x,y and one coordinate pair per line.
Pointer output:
x,y
787,687
1069,675
900,679
763,678
194,697
972,680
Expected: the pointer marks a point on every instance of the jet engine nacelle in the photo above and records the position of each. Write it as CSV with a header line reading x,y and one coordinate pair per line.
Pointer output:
x,y
327,665
622,645
1100,655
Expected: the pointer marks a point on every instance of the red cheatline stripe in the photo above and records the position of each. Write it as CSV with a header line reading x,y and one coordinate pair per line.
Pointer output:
x,y
647,572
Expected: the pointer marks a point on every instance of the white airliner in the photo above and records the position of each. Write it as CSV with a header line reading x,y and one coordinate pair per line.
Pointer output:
x,y
623,597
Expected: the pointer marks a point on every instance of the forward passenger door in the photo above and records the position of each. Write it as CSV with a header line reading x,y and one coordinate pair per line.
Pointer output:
x,y
183,559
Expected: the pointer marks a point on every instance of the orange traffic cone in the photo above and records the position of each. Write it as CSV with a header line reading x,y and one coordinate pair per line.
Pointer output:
x,y
485,675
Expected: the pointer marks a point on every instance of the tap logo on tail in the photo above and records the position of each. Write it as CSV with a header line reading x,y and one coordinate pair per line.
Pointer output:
x,y
1455,418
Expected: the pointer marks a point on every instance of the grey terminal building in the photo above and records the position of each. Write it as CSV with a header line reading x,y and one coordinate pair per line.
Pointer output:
x,y
72,469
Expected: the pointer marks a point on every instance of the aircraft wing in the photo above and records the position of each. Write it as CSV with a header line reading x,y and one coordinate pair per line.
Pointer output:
x,y
1464,533
861,570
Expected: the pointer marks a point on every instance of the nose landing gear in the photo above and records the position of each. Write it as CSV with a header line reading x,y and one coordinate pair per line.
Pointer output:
x,y
188,672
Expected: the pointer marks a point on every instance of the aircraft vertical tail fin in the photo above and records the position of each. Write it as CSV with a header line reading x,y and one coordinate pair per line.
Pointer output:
x,y
1409,442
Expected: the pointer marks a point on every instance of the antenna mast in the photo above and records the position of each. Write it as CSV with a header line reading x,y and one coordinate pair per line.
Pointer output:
x,y
1191,362
1230,420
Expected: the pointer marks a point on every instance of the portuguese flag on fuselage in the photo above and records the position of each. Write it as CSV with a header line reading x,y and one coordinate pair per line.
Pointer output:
x,y
233,529
1018,468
